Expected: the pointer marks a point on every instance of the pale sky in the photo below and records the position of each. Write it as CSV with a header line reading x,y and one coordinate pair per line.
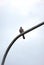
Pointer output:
x,y
25,13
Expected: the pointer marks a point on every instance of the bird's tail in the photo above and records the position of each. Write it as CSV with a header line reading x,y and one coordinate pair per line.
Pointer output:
x,y
23,37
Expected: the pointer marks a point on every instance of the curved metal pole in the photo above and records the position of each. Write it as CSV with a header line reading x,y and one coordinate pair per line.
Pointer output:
x,y
7,50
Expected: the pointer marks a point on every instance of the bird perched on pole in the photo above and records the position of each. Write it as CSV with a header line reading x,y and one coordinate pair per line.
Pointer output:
x,y
21,30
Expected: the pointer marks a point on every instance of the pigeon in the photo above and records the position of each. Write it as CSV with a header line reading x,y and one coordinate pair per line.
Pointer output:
x,y
21,30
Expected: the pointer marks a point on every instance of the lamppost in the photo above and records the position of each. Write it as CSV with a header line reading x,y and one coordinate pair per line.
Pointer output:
x,y
7,50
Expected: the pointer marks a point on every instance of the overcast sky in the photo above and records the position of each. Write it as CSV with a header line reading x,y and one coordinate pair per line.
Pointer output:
x,y
25,13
